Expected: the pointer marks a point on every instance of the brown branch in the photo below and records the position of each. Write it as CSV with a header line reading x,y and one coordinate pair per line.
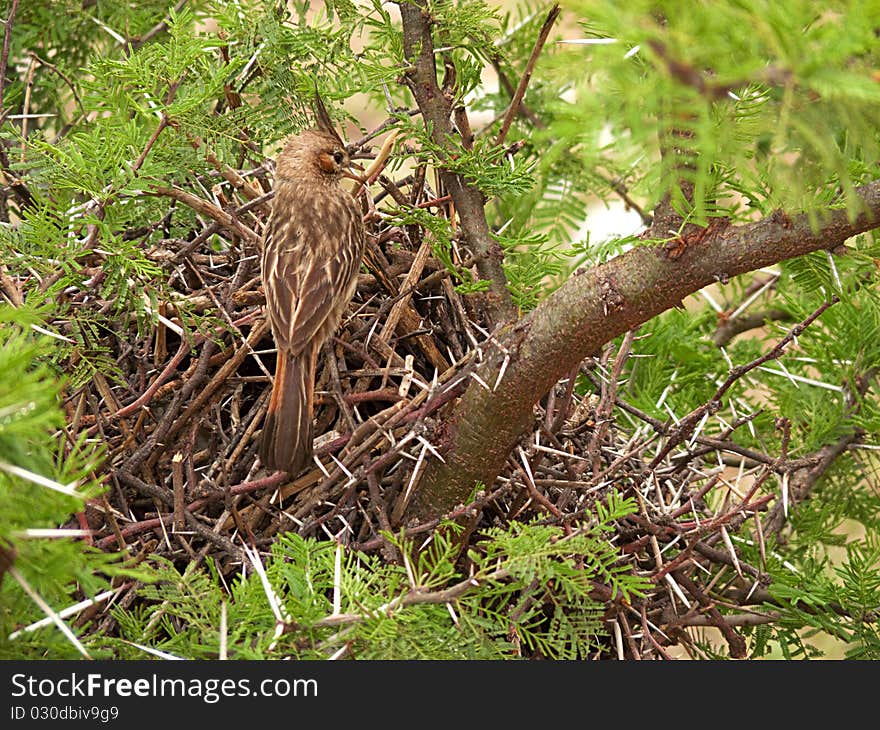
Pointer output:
x,y
735,619
4,58
730,328
735,642
690,76
616,184
417,596
136,42
205,207
520,92
524,109
687,424
436,108
801,484
590,310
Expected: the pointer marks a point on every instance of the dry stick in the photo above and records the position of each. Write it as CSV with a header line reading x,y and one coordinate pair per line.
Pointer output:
x,y
616,184
334,391
155,491
246,437
736,619
185,347
4,57
718,444
376,426
13,292
407,291
716,556
376,499
418,265
136,460
735,642
250,190
226,316
28,87
509,90
690,421
143,399
461,511
619,462
527,75
647,632
627,631
533,492
373,172
800,488
224,543
371,432
416,596
563,409
207,208
406,315
177,482
214,227
229,367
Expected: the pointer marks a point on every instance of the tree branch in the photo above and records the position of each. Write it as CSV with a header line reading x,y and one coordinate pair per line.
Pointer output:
x,y
527,75
586,312
436,108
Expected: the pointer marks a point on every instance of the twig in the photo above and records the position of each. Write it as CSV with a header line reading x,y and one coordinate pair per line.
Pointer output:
x,y
25,106
689,422
731,327
138,41
523,84
421,77
200,205
65,78
606,403
403,301
4,57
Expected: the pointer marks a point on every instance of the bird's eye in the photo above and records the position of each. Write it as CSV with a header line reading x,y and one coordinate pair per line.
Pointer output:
x,y
338,157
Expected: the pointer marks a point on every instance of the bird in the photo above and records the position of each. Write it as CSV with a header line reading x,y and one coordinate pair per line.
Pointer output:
x,y
313,243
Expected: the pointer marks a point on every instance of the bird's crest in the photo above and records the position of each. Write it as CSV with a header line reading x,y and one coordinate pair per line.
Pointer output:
x,y
322,117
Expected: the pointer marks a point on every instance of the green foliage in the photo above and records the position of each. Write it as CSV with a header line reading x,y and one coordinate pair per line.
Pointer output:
x,y
527,589
802,85
852,590
675,359
57,569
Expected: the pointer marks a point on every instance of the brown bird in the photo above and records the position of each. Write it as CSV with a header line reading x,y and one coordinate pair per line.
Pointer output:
x,y
312,249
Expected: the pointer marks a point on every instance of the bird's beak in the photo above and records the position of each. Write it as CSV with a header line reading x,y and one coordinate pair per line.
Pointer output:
x,y
352,175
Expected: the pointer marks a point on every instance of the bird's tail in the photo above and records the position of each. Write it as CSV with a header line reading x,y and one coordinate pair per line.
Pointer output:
x,y
286,442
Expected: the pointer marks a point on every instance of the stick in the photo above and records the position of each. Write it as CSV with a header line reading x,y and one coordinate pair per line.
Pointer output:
x,y
520,92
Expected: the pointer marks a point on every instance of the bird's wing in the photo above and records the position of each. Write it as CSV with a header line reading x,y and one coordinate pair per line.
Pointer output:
x,y
309,285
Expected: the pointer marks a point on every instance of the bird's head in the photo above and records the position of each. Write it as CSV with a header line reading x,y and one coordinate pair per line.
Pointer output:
x,y
318,153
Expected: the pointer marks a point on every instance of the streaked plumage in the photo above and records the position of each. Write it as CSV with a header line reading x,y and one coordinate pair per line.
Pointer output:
x,y
312,250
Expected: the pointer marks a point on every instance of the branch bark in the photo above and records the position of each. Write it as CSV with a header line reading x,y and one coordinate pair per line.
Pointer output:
x,y
436,107
586,312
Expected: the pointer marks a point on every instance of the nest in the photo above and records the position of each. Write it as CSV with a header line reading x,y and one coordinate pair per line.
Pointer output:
x,y
182,432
